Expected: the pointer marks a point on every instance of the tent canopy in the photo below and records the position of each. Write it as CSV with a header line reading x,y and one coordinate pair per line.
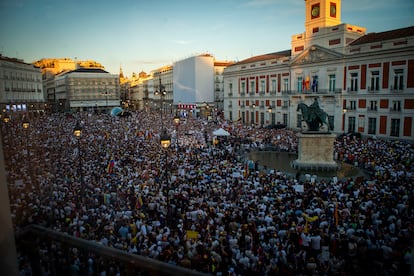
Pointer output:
x,y
220,132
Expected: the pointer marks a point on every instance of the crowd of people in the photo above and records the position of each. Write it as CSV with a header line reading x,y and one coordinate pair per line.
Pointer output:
x,y
197,204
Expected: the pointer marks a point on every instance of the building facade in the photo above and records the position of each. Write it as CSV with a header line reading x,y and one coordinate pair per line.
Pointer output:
x,y
87,89
365,82
21,90
51,67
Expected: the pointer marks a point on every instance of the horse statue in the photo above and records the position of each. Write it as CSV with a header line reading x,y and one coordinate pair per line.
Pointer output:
x,y
313,115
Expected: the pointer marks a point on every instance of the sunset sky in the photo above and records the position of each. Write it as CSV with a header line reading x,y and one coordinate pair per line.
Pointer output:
x,y
144,35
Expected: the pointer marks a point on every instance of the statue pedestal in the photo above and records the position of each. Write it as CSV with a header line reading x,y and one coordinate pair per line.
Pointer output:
x,y
315,152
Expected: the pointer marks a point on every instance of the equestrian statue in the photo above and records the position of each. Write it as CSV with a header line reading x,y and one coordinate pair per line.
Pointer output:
x,y
313,115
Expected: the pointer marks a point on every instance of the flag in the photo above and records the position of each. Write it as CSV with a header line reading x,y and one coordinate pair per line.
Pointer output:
x,y
111,165
308,219
138,203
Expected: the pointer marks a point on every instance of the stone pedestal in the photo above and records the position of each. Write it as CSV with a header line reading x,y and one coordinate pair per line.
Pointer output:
x,y
315,152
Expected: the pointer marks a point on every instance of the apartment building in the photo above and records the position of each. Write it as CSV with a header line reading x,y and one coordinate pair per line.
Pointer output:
x,y
87,89
364,81
21,90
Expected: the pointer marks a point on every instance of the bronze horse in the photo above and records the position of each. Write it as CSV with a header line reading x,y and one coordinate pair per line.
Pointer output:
x,y
313,116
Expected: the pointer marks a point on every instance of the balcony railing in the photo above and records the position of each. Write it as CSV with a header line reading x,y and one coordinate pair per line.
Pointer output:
x,y
105,258
397,89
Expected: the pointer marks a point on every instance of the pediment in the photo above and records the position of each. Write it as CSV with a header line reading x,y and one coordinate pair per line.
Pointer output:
x,y
315,54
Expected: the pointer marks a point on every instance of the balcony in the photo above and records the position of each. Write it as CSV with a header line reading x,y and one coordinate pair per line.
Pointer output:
x,y
372,109
105,258
395,109
372,89
396,89
351,90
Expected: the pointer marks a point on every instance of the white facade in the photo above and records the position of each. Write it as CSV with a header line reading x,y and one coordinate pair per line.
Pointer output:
x,y
352,74
20,86
193,80
87,89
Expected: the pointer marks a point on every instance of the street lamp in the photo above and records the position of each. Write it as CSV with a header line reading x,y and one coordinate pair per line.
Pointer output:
x,y
162,92
6,119
177,123
165,139
269,110
77,132
25,125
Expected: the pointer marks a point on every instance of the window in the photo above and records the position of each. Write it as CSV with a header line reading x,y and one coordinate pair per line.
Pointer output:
x,y
332,83
373,106
230,88
274,85
230,116
299,84
285,119
374,81
352,105
395,127
243,87
398,79
299,121
396,106
351,124
262,86
252,87
314,85
285,85
372,125
252,117
354,82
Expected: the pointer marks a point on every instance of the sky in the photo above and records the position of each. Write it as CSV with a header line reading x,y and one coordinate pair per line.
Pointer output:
x,y
138,35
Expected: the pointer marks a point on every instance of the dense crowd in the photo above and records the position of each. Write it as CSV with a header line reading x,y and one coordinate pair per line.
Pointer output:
x,y
197,204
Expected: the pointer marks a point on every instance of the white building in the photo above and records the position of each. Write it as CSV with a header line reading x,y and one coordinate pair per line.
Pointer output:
x,y
87,89
365,82
21,88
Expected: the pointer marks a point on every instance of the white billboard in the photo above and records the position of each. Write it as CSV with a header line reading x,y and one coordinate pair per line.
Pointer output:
x,y
193,80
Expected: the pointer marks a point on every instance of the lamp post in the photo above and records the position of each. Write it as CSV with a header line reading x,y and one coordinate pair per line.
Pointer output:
x,y
252,119
344,118
269,110
162,92
77,132
177,123
165,141
25,125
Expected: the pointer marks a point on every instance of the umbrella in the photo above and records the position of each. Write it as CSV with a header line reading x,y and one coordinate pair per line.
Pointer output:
x,y
116,111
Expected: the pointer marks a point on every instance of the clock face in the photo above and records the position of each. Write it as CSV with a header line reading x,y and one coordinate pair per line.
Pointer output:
x,y
315,11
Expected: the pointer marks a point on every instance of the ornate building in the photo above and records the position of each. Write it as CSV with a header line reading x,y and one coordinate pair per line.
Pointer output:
x,y
365,82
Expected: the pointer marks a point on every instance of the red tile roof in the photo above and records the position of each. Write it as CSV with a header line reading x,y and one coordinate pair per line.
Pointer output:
x,y
275,55
382,36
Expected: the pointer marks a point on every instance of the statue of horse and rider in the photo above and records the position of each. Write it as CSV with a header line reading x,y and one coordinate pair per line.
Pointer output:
x,y
313,115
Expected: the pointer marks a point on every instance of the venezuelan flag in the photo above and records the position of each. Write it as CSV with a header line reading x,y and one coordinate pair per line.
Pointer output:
x,y
111,165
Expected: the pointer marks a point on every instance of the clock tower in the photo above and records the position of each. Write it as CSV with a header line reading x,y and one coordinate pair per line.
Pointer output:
x,y
321,13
